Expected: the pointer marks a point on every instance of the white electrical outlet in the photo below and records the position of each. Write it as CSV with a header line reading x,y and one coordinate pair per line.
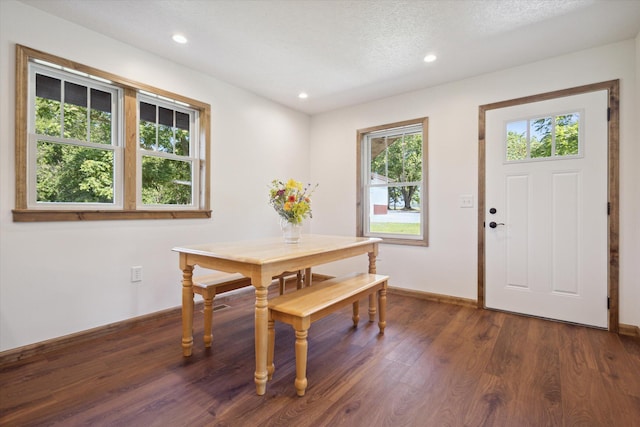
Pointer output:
x,y
136,274
466,201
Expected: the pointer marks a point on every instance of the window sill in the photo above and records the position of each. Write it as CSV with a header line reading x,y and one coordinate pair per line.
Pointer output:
x,y
30,215
399,241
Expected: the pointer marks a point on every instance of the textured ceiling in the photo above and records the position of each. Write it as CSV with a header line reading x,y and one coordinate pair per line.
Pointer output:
x,y
347,52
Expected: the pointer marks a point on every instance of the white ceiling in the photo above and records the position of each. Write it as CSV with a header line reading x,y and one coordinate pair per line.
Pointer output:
x,y
348,52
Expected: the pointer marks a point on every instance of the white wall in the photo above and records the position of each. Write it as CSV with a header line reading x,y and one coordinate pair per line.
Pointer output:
x,y
449,265
61,278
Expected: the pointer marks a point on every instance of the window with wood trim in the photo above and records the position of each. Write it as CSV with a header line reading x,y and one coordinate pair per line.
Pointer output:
x,y
392,182
94,146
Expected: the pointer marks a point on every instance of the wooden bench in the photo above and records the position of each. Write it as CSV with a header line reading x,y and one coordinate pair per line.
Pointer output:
x,y
217,282
300,309
208,286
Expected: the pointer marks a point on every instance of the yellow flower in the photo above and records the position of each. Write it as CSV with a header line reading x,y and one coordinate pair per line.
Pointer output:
x,y
292,184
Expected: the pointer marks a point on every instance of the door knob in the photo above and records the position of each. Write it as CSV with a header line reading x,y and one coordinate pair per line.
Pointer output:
x,y
494,224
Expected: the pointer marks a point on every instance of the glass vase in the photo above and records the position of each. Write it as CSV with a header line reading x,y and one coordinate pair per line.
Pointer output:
x,y
290,231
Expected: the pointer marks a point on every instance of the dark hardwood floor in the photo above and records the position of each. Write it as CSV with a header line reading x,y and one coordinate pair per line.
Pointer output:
x,y
436,365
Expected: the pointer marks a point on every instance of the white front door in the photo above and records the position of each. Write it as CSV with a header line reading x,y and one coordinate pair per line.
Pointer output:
x,y
546,184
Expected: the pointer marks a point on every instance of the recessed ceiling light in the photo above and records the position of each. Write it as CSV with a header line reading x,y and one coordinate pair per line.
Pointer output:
x,y
179,38
430,58
303,95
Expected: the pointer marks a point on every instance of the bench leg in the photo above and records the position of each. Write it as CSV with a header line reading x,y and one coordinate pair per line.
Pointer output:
x,y
308,277
372,308
271,347
382,306
356,313
299,280
301,361
208,297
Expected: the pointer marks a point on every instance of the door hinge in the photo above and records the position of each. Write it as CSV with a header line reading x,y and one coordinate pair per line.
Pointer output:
x,y
608,114
608,208
608,303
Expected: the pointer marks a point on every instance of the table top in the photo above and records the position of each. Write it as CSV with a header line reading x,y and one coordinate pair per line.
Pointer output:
x,y
274,249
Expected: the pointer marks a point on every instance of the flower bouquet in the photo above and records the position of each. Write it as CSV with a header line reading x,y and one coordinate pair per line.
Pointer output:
x,y
292,202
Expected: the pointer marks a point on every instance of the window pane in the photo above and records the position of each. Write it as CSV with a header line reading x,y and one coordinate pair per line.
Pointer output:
x,y
166,181
540,134
75,94
397,158
182,134
165,138
48,87
394,159
101,100
48,117
567,131
100,117
395,210
182,142
75,122
411,164
165,130
182,121
147,112
75,111
517,140
73,174
165,116
378,147
147,135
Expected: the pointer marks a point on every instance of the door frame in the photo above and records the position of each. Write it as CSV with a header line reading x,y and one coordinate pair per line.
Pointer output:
x,y
613,149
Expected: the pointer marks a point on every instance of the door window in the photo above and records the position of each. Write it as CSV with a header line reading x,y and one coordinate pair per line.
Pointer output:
x,y
543,138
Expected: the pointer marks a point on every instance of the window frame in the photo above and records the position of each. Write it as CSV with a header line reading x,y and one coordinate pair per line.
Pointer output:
x,y
129,209
362,177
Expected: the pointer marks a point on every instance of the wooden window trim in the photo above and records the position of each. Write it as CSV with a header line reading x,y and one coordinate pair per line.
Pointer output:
x,y
359,185
22,213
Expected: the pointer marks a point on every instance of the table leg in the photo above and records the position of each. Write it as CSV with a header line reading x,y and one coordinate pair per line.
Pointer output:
x,y
261,334
382,303
372,297
187,310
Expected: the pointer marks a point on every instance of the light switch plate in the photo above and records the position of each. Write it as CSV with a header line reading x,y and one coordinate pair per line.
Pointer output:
x,y
466,201
136,274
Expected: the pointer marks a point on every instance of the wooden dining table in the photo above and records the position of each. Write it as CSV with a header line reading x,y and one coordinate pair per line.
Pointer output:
x,y
261,260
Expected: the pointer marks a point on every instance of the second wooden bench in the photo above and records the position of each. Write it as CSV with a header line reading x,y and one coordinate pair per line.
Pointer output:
x,y
300,309
218,282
